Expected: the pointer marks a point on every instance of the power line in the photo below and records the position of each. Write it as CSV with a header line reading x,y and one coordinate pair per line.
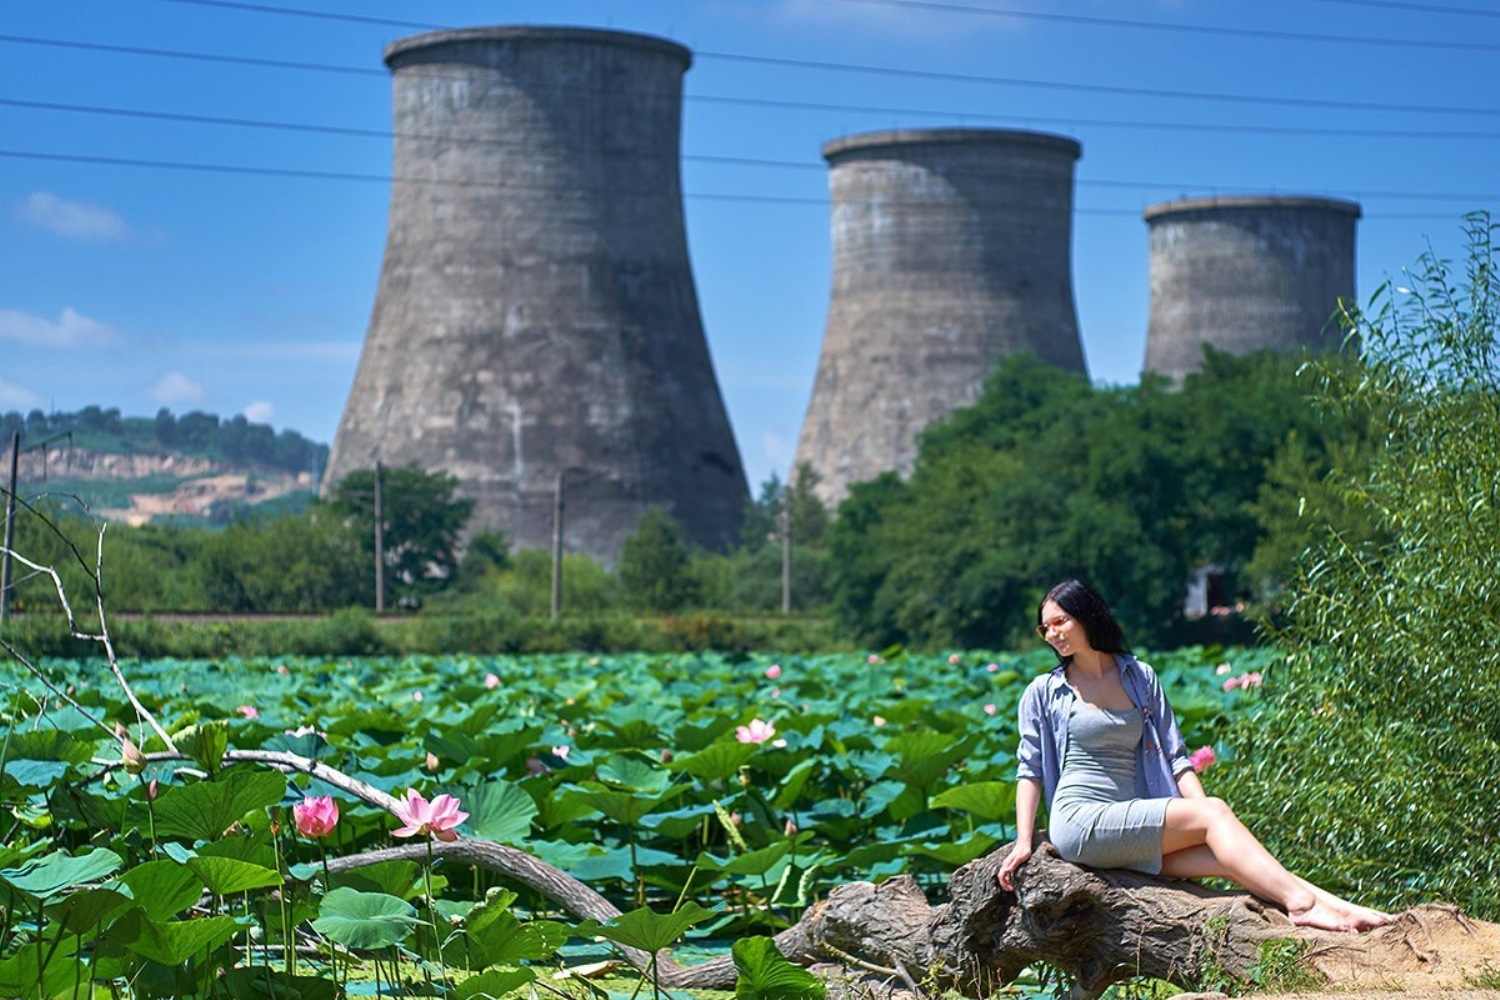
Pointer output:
x,y
822,65
1423,8
388,134
341,175
1179,28
1300,102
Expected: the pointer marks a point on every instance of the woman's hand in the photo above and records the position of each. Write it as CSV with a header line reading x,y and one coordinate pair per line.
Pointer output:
x,y
1014,860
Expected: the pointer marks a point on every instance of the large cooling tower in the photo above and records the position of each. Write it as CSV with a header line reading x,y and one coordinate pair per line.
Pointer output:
x,y
950,252
536,320
1245,274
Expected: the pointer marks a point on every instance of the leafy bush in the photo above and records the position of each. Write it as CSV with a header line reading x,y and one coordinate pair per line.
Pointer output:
x,y
1379,775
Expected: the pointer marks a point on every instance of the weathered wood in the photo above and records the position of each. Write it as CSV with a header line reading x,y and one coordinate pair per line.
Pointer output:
x,y
1099,927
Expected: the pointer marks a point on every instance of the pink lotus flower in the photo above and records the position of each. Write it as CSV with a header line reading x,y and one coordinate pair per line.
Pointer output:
x,y
1230,683
316,816
153,789
130,754
990,709
432,761
756,732
1202,757
561,752
879,720
282,670
437,818
872,659
953,659
992,667
491,681
1251,680
249,711
416,696
773,671
1223,669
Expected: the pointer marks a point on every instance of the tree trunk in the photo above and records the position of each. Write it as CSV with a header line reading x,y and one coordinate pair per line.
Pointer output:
x,y
1098,927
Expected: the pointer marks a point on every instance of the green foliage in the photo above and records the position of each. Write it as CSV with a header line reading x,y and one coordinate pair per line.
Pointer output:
x,y
654,565
421,515
1376,783
1046,477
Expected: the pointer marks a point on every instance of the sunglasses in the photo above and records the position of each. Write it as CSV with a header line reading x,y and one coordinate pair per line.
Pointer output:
x,y
1057,624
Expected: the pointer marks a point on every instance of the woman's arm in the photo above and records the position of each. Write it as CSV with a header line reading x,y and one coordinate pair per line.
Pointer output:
x,y
1187,783
1028,797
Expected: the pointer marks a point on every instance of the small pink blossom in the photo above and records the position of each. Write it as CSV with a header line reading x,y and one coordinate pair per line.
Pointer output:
x,y
130,754
416,696
249,711
773,671
491,681
1230,683
756,732
437,818
282,670
432,761
1223,669
561,752
990,709
153,789
316,816
790,829
953,659
1202,758
879,720
1251,680
872,659
992,667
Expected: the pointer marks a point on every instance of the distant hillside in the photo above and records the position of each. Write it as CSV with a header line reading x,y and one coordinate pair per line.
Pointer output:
x,y
191,468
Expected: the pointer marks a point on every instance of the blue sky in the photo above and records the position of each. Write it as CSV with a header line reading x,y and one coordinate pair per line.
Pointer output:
x,y
239,282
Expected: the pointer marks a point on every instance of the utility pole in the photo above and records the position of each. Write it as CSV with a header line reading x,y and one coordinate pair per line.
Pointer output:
x,y
10,520
557,541
379,543
786,550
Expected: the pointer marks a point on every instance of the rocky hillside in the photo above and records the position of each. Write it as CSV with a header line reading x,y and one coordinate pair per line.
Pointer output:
x,y
137,488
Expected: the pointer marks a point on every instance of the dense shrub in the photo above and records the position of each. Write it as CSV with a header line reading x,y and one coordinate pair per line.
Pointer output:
x,y
1378,776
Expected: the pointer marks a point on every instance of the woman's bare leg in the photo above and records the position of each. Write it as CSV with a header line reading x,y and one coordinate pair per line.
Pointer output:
x,y
1203,838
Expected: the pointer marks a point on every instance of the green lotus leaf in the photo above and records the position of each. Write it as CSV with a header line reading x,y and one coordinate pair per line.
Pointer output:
x,y
716,762
227,876
57,872
764,974
500,811
162,888
495,983
365,919
992,800
205,809
646,929
263,982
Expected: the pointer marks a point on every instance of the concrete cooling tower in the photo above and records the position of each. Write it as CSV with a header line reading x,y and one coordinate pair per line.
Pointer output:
x,y
536,323
951,250
1245,274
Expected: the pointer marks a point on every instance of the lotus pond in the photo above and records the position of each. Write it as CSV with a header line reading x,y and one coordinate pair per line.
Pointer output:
x,y
707,795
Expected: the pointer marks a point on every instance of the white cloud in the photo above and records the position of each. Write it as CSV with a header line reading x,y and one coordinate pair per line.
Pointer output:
x,y
71,330
176,389
773,447
73,219
17,397
261,411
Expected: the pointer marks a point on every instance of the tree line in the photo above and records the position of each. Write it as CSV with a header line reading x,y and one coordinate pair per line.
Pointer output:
x,y
1043,477
236,440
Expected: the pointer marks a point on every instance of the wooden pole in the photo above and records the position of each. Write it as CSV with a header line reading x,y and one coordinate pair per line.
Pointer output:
x,y
10,521
379,543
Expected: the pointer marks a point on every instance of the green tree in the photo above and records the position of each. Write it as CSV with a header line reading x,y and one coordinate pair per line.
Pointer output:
x,y
654,565
1376,774
422,516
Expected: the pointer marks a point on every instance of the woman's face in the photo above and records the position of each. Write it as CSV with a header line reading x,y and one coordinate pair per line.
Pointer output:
x,y
1061,631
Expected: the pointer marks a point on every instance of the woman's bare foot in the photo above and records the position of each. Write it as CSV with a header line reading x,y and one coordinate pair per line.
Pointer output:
x,y
1325,917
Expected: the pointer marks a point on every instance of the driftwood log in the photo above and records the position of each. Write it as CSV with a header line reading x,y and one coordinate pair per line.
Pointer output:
x,y
1099,927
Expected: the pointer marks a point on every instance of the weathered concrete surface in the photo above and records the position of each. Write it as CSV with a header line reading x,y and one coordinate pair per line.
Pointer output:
x,y
536,315
1246,274
951,250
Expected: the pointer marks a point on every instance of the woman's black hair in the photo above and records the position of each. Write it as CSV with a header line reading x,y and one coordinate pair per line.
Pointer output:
x,y
1083,604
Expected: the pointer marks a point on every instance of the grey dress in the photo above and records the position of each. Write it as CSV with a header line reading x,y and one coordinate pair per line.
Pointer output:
x,y
1098,817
